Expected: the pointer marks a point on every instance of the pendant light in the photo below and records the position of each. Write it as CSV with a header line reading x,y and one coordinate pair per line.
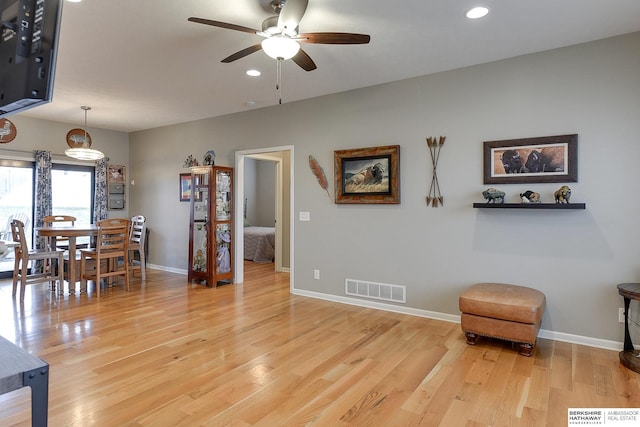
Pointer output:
x,y
84,152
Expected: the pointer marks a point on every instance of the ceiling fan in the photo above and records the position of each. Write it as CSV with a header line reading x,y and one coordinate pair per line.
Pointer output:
x,y
281,36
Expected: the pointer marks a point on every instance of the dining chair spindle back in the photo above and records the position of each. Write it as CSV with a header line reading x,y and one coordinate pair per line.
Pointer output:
x,y
23,255
137,236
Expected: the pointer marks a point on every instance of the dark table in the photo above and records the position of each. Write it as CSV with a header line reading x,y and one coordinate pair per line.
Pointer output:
x,y
629,357
21,369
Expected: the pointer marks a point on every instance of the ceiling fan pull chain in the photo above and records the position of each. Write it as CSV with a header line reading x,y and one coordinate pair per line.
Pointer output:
x,y
279,79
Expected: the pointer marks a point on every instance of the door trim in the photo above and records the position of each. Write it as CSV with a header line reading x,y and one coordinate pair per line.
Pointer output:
x,y
263,153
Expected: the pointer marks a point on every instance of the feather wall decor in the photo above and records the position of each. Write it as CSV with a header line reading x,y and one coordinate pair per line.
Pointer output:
x,y
319,173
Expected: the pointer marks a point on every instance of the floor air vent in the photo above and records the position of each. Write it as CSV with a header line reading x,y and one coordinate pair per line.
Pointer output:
x,y
395,293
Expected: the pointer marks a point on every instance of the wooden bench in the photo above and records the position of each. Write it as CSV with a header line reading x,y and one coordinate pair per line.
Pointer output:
x,y
508,312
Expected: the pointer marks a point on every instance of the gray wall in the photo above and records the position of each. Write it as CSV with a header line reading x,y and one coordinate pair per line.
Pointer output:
x,y
260,191
250,190
34,134
575,257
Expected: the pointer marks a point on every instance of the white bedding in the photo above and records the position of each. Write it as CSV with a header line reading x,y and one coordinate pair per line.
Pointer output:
x,y
259,243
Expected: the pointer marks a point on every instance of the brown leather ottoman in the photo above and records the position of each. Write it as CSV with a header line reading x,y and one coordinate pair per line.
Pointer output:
x,y
503,311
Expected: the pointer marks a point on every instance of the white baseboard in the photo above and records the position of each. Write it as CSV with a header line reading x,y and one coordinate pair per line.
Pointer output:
x,y
552,335
169,269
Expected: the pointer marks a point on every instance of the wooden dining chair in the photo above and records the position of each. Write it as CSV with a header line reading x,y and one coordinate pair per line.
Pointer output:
x,y
111,244
59,220
23,255
63,242
137,235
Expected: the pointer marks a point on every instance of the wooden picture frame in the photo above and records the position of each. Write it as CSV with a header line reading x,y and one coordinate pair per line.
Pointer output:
x,y
185,187
368,175
116,173
531,160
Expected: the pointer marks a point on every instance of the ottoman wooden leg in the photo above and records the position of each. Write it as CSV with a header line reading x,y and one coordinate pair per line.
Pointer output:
x,y
472,338
526,349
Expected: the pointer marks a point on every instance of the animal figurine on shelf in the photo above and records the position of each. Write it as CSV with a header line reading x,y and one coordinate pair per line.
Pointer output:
x,y
563,194
530,197
493,195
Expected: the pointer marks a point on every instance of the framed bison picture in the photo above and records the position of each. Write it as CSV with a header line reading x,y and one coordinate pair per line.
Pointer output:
x,y
368,175
531,160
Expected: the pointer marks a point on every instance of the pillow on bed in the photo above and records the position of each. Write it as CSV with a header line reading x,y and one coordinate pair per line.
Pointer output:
x,y
246,222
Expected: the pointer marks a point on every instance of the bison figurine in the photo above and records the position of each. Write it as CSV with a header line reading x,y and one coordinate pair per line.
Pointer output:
x,y
530,197
493,195
563,194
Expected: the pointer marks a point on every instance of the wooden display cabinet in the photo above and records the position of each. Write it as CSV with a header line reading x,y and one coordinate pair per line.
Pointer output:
x,y
211,225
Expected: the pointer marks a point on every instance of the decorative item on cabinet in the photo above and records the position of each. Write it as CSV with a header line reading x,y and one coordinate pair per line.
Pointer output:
x,y
211,225
115,187
190,161
209,158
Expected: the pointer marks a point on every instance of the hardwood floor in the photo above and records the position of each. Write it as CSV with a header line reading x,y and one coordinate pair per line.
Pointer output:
x,y
172,354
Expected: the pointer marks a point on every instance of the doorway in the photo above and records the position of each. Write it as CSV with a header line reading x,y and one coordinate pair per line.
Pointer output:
x,y
283,159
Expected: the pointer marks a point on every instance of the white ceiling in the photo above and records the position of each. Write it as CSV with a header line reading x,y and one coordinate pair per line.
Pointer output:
x,y
140,64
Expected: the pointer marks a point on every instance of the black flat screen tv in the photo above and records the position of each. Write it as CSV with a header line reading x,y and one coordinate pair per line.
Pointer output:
x,y
28,51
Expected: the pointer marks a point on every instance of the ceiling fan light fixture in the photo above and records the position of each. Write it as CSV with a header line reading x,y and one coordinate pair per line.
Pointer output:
x,y
280,47
477,12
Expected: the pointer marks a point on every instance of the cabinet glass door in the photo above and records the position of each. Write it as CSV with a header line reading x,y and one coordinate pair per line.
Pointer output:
x,y
223,248
200,221
223,195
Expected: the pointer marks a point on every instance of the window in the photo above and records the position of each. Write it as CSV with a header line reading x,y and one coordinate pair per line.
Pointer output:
x,y
72,189
72,192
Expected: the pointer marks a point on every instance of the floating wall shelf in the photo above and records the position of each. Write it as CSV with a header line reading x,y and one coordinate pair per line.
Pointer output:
x,y
529,205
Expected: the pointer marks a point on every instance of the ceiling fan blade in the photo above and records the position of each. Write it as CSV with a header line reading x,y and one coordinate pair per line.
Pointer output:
x,y
223,25
333,38
304,61
242,53
291,14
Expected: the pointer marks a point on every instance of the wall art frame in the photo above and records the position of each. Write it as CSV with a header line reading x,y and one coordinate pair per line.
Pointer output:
x,y
116,173
368,175
531,160
185,187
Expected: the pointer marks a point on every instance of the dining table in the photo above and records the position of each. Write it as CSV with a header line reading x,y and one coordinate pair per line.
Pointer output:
x,y
71,232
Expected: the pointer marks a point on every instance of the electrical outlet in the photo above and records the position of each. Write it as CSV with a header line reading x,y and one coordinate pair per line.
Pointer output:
x,y
621,315
316,274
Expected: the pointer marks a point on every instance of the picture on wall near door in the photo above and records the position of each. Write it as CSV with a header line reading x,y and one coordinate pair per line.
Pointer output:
x,y
531,160
368,175
185,187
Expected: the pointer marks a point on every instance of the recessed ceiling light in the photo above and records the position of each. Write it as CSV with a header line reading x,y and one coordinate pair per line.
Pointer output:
x,y
250,104
253,73
74,1
477,12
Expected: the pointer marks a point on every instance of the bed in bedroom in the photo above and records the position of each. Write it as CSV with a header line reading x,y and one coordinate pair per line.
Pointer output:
x,y
259,243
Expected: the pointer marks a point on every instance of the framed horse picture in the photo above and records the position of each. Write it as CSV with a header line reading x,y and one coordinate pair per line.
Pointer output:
x,y
368,175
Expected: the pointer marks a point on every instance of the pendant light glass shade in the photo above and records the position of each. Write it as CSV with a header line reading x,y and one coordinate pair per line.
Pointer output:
x,y
84,152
